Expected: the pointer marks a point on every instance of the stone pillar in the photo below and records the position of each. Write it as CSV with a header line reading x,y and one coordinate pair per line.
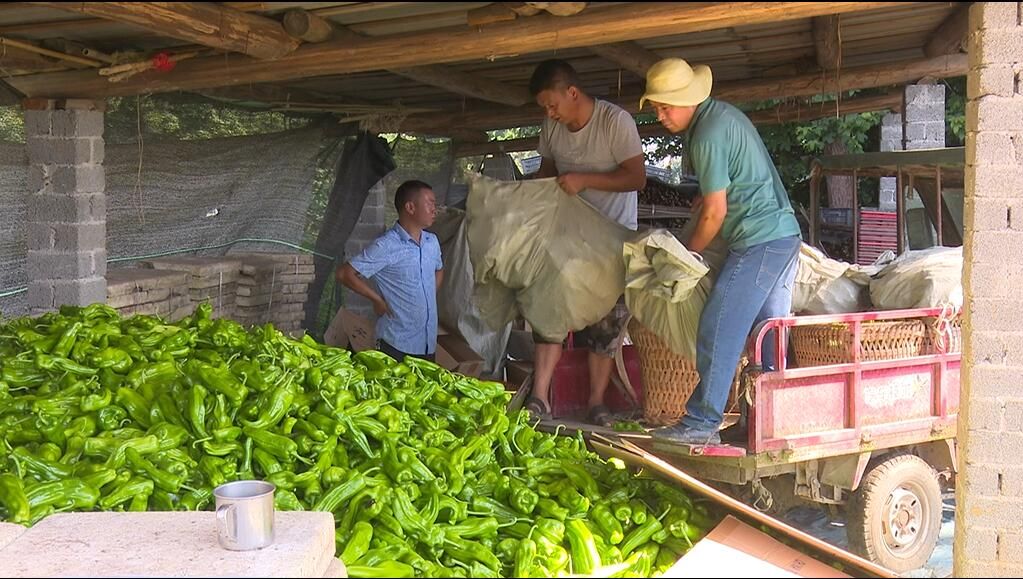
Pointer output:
x,y
66,230
924,117
371,225
891,140
989,490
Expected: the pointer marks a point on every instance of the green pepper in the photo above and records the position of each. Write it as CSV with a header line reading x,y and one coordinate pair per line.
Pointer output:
x,y
331,501
639,511
94,402
67,493
607,523
135,404
221,448
112,417
286,500
522,498
549,508
197,499
525,558
573,501
61,364
358,544
267,463
197,410
583,549
276,407
116,359
385,569
622,512
640,535
46,470
279,446
13,499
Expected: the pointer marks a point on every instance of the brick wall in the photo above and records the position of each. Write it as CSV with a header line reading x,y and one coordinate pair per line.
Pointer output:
x,y
989,514
66,226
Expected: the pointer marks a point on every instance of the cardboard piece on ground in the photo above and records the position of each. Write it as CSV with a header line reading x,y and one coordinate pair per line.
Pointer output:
x,y
455,354
349,329
517,371
735,549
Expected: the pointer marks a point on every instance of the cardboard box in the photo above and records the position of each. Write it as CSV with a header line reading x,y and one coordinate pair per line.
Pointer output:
x,y
455,354
517,372
735,549
350,330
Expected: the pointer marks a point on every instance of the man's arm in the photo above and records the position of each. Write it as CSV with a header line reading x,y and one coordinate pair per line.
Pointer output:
x,y
440,278
347,275
629,176
709,220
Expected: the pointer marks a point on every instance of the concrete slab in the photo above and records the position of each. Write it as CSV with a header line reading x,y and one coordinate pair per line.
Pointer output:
x,y
337,569
168,544
9,532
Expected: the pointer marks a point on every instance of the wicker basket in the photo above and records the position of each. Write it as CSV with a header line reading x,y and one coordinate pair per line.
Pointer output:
x,y
668,378
833,343
943,340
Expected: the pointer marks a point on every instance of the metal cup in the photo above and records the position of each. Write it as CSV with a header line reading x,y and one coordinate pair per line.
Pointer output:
x,y
245,515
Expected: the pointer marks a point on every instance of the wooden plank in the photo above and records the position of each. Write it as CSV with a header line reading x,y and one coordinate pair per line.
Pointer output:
x,y
472,85
540,33
628,55
490,14
203,23
950,37
827,41
780,114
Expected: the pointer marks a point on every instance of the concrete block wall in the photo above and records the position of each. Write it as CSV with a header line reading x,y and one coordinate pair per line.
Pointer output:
x,y
66,229
891,140
923,116
989,493
372,223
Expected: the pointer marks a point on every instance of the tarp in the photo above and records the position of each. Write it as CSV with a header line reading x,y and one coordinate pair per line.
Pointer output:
x,y
550,256
456,301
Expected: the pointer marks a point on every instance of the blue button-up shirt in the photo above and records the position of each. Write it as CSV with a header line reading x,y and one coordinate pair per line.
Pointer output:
x,y
405,274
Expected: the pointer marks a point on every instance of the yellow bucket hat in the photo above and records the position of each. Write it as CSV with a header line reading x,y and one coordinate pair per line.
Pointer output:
x,y
673,82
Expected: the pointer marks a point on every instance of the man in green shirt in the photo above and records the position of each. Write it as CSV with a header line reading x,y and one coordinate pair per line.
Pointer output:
x,y
743,200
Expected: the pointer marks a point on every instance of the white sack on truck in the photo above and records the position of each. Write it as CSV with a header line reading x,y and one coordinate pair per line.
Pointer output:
x,y
920,279
550,256
827,286
664,288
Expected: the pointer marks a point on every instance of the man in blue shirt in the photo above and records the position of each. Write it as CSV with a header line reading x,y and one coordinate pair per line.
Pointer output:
x,y
406,264
743,200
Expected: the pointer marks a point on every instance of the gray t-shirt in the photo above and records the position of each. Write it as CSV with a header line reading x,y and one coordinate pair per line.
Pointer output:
x,y
610,138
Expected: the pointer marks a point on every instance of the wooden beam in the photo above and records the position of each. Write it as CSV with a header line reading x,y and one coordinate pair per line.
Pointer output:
x,y
463,83
950,37
792,112
490,14
307,26
827,41
887,74
618,23
560,8
628,55
203,23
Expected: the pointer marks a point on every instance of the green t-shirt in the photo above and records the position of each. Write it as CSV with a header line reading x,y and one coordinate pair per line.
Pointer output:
x,y
726,152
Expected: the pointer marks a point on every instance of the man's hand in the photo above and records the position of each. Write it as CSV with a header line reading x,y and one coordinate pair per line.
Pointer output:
x,y
381,308
572,183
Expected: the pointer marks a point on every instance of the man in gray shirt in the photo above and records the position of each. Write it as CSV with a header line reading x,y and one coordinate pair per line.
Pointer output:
x,y
593,148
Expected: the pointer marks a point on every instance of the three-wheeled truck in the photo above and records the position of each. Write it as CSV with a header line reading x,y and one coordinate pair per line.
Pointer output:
x,y
875,439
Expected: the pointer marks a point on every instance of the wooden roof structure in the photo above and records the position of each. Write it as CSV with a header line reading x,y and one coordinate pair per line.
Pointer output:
x,y
459,69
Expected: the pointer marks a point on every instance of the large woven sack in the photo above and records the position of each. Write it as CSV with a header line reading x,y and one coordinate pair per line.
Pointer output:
x,y
921,279
547,255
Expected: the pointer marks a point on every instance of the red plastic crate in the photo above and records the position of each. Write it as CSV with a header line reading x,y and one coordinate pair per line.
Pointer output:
x,y
571,385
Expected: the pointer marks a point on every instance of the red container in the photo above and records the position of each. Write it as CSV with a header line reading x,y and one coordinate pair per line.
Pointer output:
x,y
571,385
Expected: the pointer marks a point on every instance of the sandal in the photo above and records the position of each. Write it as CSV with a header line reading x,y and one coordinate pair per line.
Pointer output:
x,y
538,408
599,415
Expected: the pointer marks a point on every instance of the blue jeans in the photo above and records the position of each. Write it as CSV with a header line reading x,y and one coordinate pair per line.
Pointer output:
x,y
754,285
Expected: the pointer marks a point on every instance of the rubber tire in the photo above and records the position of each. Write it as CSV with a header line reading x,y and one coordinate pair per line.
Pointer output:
x,y
866,511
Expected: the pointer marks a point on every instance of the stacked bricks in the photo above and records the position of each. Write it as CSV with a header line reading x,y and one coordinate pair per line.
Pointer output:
x,y
273,288
210,279
989,486
923,117
154,292
66,229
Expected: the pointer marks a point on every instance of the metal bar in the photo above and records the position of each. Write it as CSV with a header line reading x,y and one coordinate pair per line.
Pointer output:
x,y
916,426
900,211
815,204
856,217
940,204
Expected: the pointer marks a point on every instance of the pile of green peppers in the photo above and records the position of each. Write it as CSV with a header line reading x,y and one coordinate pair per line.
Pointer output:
x,y
424,470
